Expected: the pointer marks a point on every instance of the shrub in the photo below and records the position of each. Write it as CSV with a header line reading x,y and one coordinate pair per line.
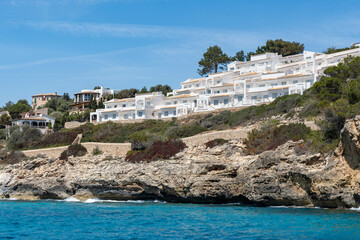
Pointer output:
x,y
143,140
159,150
96,151
184,131
76,150
23,139
270,136
12,158
215,120
216,142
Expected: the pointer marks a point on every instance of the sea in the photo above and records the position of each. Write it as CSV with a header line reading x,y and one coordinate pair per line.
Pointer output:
x,y
96,219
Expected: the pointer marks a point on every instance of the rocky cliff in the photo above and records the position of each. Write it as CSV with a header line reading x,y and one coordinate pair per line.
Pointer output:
x,y
199,175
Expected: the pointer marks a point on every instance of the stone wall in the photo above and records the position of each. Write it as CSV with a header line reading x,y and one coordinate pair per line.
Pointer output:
x,y
231,134
114,149
73,124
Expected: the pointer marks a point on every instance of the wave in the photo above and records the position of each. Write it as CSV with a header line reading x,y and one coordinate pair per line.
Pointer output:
x,y
70,199
96,200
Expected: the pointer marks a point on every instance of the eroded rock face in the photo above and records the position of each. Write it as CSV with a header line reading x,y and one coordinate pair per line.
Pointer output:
x,y
350,142
198,175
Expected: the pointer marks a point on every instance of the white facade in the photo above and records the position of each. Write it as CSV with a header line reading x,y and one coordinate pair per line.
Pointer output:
x,y
263,79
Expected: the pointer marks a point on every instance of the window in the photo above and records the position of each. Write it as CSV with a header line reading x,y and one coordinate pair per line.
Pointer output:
x,y
274,84
226,101
247,86
166,113
216,91
175,102
133,104
106,117
115,106
133,115
114,116
225,91
124,105
174,113
185,101
140,114
295,81
216,102
253,97
286,93
148,103
159,115
168,103
231,69
197,85
208,91
126,116
217,82
266,96
262,85
283,83
274,95
240,98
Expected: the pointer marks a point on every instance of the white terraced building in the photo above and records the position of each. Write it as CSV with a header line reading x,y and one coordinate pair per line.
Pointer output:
x,y
261,80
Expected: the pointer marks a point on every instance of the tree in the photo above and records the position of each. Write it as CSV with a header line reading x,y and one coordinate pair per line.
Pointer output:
x,y
161,88
126,93
20,107
5,120
239,56
97,87
213,60
144,90
66,97
284,48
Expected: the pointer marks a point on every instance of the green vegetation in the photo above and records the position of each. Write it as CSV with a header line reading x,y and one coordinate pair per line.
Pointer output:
x,y
130,93
213,60
12,157
335,49
76,150
157,150
96,151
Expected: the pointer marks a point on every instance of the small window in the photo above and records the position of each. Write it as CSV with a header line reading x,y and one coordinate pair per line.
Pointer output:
x,y
231,69
247,86
148,103
216,102
274,84
266,96
115,106
106,117
133,105
133,115
140,114
216,91
225,91
197,85
217,82
226,101
168,103
124,105
126,116
262,85
185,101
286,93
295,81
114,116
175,102
174,113
166,113
274,95
240,98
283,83
253,97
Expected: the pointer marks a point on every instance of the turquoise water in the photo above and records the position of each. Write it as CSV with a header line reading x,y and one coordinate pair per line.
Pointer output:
x,y
149,220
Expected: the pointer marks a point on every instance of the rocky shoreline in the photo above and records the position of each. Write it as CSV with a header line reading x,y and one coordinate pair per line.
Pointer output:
x,y
224,174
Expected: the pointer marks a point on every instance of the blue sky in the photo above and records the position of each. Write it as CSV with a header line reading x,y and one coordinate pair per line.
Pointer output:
x,y
69,45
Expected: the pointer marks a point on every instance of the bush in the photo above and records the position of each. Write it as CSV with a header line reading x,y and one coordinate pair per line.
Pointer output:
x,y
216,120
159,150
96,151
184,131
216,142
76,150
23,139
12,158
270,136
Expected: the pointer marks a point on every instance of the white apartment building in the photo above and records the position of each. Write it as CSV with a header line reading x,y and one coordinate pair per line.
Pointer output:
x,y
261,80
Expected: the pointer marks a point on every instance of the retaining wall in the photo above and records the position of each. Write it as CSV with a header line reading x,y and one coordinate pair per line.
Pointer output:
x,y
114,149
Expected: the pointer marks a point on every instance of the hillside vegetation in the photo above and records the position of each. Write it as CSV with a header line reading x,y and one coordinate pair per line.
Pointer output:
x,y
329,102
